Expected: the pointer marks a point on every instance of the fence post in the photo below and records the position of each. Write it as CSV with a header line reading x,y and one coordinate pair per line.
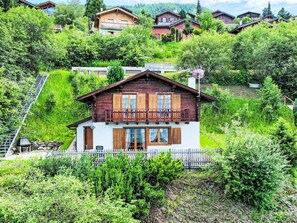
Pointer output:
x,y
189,158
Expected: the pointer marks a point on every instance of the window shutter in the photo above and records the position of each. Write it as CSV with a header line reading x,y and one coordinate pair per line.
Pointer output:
x,y
153,106
176,136
176,106
118,139
141,107
117,107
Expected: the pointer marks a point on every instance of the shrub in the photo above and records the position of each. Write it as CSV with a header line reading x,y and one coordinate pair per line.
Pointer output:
x,y
295,112
50,102
221,95
270,99
226,77
115,73
253,169
286,139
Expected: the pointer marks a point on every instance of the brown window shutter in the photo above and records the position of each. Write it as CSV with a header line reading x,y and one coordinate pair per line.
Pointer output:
x,y
176,106
141,110
117,107
153,106
175,135
118,139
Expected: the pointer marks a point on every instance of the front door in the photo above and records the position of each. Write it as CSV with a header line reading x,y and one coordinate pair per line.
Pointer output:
x,y
88,135
135,139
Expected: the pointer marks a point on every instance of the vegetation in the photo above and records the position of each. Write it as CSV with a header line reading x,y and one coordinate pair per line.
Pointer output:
x,y
295,112
93,7
115,74
242,21
267,11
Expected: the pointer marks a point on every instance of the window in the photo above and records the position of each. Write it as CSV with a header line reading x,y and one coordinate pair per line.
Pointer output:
x,y
164,20
129,105
135,139
124,22
159,135
164,105
110,21
172,19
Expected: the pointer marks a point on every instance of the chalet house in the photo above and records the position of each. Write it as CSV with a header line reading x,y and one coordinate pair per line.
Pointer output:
x,y
143,112
166,18
269,19
160,29
47,7
249,14
114,20
223,16
191,16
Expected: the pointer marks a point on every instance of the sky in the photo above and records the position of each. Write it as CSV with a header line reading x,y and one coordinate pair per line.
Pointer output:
x,y
233,7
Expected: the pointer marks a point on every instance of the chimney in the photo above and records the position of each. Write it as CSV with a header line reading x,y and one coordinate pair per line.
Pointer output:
x,y
192,82
240,22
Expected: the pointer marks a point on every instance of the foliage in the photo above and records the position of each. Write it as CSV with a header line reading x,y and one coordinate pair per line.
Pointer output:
x,y
252,169
93,7
69,14
242,21
222,96
103,63
115,73
270,99
211,51
198,8
50,102
226,77
269,51
267,11
182,14
140,182
53,126
7,4
284,14
286,139
208,23
295,112
188,28
41,199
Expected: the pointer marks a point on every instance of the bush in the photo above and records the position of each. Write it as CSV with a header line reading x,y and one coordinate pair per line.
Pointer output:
x,y
295,112
50,102
270,99
286,140
226,77
115,73
253,169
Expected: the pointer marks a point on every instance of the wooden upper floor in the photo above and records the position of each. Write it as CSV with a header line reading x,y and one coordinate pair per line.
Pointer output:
x,y
116,18
144,98
167,17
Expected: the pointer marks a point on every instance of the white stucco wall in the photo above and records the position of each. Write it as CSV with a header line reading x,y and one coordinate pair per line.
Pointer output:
x,y
103,134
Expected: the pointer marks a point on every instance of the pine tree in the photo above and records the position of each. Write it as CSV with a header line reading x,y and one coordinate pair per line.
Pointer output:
x,y
199,8
284,14
267,11
182,14
93,7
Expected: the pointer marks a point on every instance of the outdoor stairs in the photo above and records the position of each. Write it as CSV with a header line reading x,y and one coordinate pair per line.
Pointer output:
x,y
8,141
289,102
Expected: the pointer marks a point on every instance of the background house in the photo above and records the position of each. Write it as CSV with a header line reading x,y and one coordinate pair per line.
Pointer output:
x,y
249,14
223,16
166,18
114,20
47,7
146,111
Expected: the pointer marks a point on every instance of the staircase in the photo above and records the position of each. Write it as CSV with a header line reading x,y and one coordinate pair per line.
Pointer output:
x,y
7,142
289,102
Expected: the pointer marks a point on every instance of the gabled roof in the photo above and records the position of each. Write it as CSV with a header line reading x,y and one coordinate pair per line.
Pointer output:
x,y
224,13
248,12
122,9
29,4
173,13
46,3
217,11
148,73
239,28
75,124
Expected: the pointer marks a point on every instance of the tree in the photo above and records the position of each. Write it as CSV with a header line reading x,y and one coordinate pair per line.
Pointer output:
x,y
284,14
208,23
183,14
295,112
115,73
243,20
267,11
188,28
93,7
270,99
7,4
199,8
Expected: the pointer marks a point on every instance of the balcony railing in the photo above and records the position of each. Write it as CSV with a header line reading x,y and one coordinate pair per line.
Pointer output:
x,y
147,116
113,25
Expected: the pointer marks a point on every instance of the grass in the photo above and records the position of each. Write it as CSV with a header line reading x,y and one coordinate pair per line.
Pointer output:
x,y
43,125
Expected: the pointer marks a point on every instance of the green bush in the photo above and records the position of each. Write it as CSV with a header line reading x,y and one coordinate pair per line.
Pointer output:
x,y
270,99
50,102
115,73
286,139
295,112
226,77
252,169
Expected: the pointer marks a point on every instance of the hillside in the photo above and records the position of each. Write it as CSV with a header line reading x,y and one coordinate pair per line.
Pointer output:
x,y
197,197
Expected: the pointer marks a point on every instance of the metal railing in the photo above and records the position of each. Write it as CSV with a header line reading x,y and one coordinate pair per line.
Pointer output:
x,y
148,116
191,158
7,143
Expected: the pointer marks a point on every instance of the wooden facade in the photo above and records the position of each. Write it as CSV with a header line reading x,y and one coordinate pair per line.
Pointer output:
x,y
223,16
167,17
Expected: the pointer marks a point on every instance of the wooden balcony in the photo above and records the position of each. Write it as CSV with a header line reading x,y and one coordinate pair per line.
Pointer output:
x,y
147,116
113,25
